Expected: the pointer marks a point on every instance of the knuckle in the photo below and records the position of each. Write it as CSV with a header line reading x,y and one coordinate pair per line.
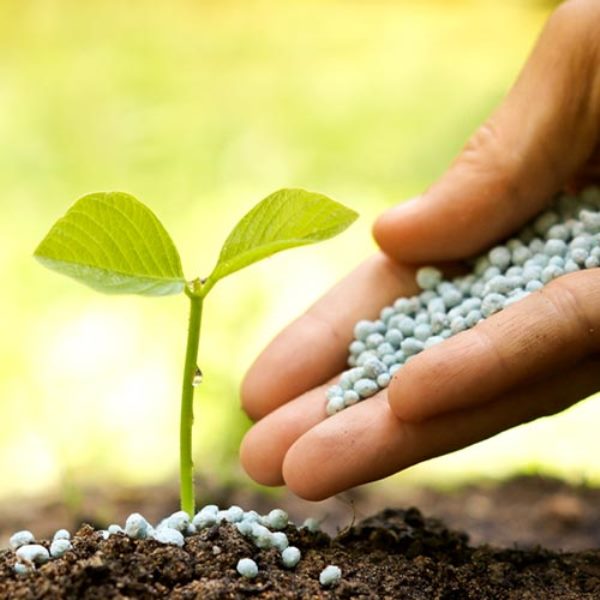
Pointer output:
x,y
486,141
426,376
490,155
574,24
321,322
486,338
574,297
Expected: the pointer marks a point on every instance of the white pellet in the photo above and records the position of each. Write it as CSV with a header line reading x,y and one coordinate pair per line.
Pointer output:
x,y
290,557
543,223
473,317
330,575
520,255
500,257
350,397
591,220
61,534
406,326
262,537
387,360
433,340
168,535
280,541
499,284
364,357
457,325
379,326
383,380
59,547
428,277
422,331
386,313
492,303
394,337
555,248
366,387
21,569
592,262
356,347
246,567
558,232
20,538
363,329
245,527
206,517
136,526
234,514
438,321
252,516
401,305
551,272
451,297
373,340
584,241
579,255
336,403
386,348
412,346
33,554
178,520
333,391
534,285
114,528
435,306
278,519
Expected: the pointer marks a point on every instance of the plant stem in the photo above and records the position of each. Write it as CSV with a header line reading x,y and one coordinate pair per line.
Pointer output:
x,y
186,465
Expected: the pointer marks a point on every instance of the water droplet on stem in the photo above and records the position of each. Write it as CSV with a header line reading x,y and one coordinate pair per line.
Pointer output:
x,y
198,376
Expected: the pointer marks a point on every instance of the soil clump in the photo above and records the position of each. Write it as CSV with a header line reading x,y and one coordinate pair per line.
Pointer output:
x,y
395,554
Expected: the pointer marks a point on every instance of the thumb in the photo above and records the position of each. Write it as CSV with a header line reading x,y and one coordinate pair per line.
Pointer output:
x,y
536,141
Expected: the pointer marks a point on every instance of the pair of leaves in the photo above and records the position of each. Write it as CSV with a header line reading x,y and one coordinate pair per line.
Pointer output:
x,y
115,244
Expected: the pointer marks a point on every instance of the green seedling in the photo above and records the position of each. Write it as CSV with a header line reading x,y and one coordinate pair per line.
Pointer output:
x,y
115,244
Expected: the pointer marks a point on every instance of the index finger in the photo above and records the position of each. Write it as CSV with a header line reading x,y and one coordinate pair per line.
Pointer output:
x,y
314,347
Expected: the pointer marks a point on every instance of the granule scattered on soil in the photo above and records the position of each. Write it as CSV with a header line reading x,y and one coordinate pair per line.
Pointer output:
x,y
394,554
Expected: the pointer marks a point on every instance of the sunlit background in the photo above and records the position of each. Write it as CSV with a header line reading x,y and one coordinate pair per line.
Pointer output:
x,y
200,109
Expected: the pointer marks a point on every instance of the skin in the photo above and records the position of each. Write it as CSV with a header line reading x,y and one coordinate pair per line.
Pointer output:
x,y
535,358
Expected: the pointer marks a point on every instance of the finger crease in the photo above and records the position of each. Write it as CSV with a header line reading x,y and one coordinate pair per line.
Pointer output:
x,y
330,329
492,347
560,295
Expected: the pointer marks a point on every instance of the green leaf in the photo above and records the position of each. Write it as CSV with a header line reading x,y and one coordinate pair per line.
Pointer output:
x,y
285,219
115,244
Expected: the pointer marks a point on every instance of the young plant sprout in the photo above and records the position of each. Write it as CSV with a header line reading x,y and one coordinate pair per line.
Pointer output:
x,y
115,244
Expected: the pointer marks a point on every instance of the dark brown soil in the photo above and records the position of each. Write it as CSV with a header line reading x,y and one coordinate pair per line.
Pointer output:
x,y
396,554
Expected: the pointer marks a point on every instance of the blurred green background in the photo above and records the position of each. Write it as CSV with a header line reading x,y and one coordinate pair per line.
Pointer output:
x,y
200,109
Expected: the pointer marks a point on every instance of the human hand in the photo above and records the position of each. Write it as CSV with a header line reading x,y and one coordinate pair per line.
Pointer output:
x,y
535,358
